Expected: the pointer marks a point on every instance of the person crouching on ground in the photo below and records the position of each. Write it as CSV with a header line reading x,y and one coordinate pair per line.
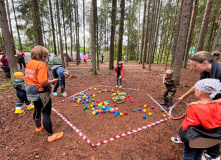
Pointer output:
x,y
171,88
19,85
60,73
36,78
202,117
119,71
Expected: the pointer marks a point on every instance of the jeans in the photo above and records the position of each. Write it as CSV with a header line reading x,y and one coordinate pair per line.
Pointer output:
x,y
191,153
214,151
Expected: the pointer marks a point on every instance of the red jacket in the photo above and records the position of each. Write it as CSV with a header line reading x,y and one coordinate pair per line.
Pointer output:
x,y
121,71
20,54
206,115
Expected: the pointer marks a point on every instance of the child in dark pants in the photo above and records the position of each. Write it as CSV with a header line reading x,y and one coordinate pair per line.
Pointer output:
x,y
19,85
202,119
119,71
171,88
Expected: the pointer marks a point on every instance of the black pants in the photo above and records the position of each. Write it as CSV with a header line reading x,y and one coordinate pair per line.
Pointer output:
x,y
214,151
46,111
22,61
57,85
118,78
168,97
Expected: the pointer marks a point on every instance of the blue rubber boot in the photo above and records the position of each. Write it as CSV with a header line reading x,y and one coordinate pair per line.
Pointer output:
x,y
55,94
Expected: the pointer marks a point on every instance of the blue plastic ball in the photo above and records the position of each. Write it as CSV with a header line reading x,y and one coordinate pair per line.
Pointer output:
x,y
112,91
89,89
75,98
140,109
144,116
105,111
83,102
130,90
87,101
97,112
109,90
93,105
134,110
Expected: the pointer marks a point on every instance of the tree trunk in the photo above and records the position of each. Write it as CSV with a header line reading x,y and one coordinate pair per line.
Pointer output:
x,y
182,37
37,22
143,33
146,39
113,26
65,36
77,31
217,43
97,50
70,25
9,19
90,27
19,39
59,30
204,25
210,39
94,4
138,34
8,40
128,30
121,31
52,26
191,29
84,26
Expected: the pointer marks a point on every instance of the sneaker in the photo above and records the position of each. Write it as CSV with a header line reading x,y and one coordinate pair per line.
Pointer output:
x,y
116,85
208,157
55,94
30,107
62,94
120,86
17,111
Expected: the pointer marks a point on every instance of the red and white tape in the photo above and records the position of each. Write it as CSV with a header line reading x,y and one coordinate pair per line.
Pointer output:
x,y
110,139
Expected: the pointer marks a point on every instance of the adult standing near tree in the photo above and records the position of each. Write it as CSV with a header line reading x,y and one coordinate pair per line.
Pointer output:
x,y
204,64
102,57
21,58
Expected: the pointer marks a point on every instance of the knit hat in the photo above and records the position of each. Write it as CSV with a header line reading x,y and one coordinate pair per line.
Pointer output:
x,y
209,85
169,71
18,75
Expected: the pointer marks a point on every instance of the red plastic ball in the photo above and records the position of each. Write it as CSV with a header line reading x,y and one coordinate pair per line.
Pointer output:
x,y
152,107
91,94
128,96
102,111
141,105
115,105
125,113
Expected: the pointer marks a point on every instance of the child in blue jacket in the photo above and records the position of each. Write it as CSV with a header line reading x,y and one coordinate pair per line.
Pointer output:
x,y
19,85
60,73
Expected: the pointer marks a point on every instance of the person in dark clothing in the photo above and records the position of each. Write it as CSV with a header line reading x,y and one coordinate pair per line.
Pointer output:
x,y
203,63
119,71
60,73
19,85
202,119
102,57
171,88
21,58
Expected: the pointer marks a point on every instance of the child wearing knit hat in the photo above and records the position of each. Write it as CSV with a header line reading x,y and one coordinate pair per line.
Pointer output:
x,y
19,85
202,118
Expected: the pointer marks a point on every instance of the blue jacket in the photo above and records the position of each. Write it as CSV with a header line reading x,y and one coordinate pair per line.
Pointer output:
x,y
19,85
59,73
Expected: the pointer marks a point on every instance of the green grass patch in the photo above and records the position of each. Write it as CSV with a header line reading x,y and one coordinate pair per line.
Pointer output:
x,y
6,85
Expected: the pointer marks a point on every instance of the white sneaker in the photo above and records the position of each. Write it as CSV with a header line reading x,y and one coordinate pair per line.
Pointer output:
x,y
208,157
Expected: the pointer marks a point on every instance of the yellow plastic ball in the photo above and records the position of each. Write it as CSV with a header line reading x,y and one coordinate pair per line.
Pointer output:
x,y
164,115
145,105
91,105
144,110
94,113
121,114
95,89
150,114
92,108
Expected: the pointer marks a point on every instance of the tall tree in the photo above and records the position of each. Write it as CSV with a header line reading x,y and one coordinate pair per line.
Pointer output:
x,y
204,25
138,34
70,25
94,4
191,29
52,26
19,39
9,19
8,40
59,31
146,40
143,33
182,37
77,31
217,43
37,23
129,29
121,31
113,26
84,24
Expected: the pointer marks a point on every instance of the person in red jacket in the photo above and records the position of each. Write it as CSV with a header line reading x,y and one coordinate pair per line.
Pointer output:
x,y
202,118
21,58
119,71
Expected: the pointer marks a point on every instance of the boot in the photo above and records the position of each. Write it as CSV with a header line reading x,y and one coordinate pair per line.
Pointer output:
x,y
38,123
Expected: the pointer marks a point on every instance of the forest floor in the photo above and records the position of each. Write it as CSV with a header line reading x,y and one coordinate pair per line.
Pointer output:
x,y
19,140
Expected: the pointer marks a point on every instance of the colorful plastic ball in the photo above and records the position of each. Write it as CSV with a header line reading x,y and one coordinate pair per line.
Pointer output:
x,y
121,114
93,113
111,111
93,95
144,116
140,109
87,101
102,111
164,115
89,89
92,109
115,114
162,110
150,114
83,102
95,89
75,98
99,91
134,110
93,105
130,90
152,107
144,110
125,113
97,86
145,105
108,90
128,96
141,105
115,105
97,112
105,111
92,100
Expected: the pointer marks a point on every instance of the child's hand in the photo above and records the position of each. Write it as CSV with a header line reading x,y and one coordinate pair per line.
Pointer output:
x,y
120,77
54,81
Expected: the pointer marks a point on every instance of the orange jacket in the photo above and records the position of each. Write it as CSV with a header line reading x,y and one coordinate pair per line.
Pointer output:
x,y
121,71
